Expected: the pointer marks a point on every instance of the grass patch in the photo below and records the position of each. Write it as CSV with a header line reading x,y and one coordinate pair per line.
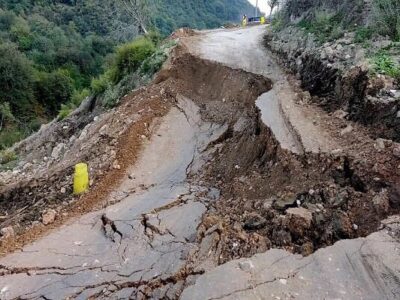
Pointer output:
x,y
7,156
325,26
363,34
384,64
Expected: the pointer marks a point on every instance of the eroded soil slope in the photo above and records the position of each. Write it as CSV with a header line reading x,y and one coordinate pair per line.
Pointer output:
x,y
213,182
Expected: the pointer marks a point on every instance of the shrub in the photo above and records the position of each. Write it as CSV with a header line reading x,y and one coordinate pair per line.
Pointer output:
x,y
10,136
130,56
325,25
54,89
152,64
100,84
386,14
111,96
65,110
79,96
7,156
384,64
363,34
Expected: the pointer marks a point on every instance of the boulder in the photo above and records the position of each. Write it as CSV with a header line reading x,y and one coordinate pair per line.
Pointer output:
x,y
57,151
49,217
254,222
7,232
381,202
285,202
298,220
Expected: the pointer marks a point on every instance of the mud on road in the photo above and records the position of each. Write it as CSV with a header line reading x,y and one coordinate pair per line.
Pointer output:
x,y
213,183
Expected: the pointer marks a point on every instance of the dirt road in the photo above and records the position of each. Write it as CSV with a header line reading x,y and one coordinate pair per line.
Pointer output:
x,y
168,235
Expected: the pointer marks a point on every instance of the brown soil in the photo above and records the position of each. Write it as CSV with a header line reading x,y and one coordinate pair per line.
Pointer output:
x,y
129,145
269,197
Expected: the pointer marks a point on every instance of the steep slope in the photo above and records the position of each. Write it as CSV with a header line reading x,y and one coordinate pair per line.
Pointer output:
x,y
51,50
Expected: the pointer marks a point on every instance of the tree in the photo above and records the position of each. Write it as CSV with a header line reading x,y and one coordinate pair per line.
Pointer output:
x,y
54,89
138,10
16,79
272,4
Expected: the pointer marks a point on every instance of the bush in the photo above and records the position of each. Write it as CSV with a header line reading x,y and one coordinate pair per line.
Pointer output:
x,y
130,56
54,89
100,84
152,64
363,34
66,110
386,14
325,26
10,136
79,96
384,64
7,156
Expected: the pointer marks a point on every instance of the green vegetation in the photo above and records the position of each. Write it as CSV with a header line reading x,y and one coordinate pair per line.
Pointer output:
x,y
133,63
130,56
50,51
198,14
363,34
7,156
384,64
386,15
326,26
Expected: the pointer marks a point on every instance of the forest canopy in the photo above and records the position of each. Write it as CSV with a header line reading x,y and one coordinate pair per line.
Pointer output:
x,y
51,49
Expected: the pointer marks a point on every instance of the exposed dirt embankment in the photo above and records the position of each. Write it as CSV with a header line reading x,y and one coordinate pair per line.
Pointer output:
x,y
271,197
338,77
218,189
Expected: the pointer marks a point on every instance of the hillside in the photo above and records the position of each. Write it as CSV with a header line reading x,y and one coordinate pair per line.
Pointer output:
x,y
51,50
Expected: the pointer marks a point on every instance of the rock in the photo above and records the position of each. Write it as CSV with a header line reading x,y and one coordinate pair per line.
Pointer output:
x,y
63,190
307,249
246,266
57,151
281,237
254,222
396,150
381,202
340,114
7,232
299,220
347,130
285,202
49,217
342,227
394,197
379,144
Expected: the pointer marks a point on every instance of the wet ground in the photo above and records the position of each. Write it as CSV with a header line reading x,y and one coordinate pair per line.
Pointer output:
x,y
219,182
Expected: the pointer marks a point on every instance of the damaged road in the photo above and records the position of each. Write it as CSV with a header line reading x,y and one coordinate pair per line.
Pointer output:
x,y
240,192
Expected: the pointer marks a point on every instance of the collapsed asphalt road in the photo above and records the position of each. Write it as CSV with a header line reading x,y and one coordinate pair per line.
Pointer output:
x,y
176,229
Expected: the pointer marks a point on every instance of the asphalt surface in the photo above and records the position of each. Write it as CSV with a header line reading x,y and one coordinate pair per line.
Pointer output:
x,y
152,230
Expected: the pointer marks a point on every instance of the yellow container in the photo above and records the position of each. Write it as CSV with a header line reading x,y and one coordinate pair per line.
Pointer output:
x,y
81,179
262,20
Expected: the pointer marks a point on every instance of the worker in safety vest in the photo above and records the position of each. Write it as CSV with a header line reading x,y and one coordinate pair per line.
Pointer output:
x,y
244,20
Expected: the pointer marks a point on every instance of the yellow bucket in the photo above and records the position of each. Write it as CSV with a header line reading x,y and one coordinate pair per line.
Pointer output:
x,y
81,179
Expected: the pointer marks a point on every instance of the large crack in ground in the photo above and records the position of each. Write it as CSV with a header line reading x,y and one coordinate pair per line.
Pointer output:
x,y
266,198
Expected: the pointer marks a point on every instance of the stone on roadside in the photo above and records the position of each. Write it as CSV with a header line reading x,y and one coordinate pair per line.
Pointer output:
x,y
254,222
49,217
57,151
396,150
285,202
346,130
299,220
381,202
7,232
379,144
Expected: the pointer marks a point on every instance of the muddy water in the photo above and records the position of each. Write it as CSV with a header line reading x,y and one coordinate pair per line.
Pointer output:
x,y
148,233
